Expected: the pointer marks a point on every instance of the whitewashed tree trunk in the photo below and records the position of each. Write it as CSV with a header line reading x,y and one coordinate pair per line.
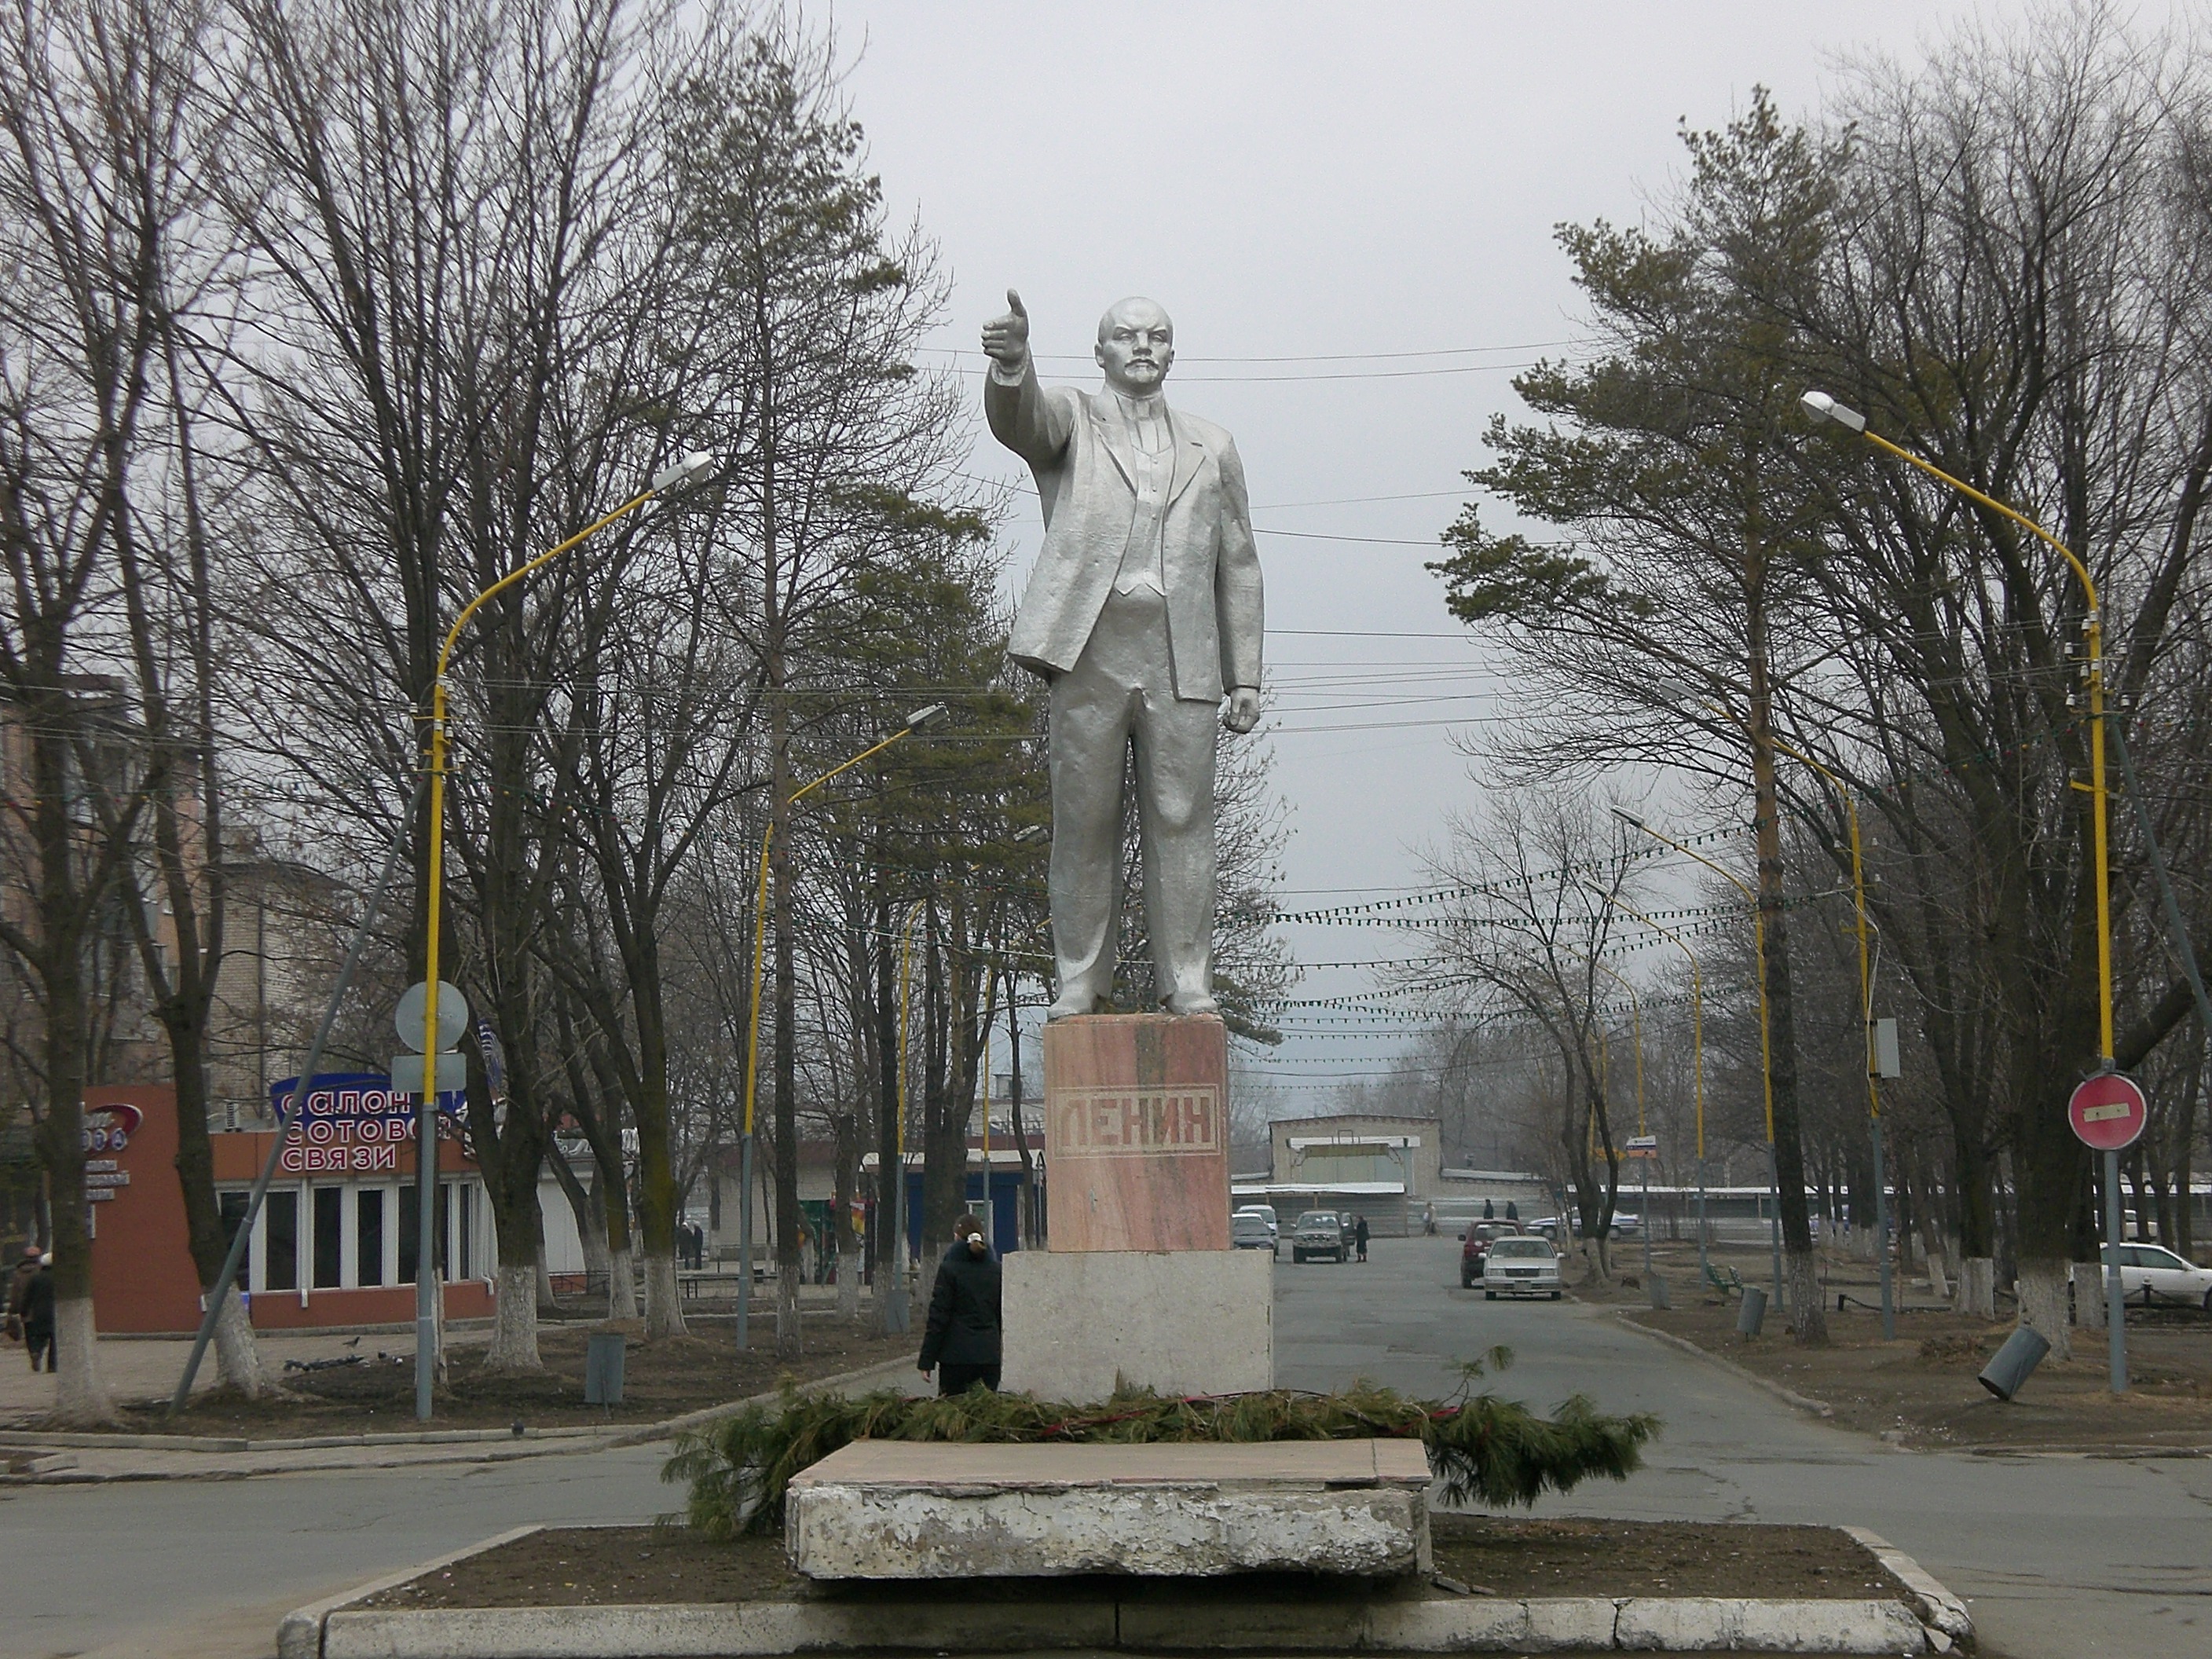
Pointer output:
x,y
1938,1286
664,1312
850,1266
237,1352
547,1301
788,1344
2088,1297
1801,1274
1978,1288
514,1320
79,1396
2042,1305
622,1285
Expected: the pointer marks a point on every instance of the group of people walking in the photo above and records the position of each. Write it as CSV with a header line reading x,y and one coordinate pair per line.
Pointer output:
x,y
31,1305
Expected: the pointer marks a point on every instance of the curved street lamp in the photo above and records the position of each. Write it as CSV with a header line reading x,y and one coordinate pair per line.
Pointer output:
x,y
688,471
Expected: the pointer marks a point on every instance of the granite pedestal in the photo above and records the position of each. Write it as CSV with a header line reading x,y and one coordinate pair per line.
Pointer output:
x,y
1139,1284
896,1509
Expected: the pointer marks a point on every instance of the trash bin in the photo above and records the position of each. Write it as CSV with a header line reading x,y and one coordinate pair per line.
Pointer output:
x,y
603,1368
1753,1313
1657,1287
2009,1366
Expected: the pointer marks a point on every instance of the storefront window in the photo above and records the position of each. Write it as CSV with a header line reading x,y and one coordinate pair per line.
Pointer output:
x,y
328,1236
281,1229
233,1206
368,1236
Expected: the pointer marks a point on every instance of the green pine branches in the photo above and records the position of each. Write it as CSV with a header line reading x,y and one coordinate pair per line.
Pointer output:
x,y
1484,1450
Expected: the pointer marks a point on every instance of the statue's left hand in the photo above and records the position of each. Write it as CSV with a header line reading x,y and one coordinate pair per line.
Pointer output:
x,y
1243,711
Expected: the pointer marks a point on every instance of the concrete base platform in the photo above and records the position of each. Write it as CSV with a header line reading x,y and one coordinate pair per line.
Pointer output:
x,y
1190,1322
892,1508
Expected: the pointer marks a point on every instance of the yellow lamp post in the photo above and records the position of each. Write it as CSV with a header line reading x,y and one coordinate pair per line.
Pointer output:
x,y
1697,1058
1823,407
1765,1036
921,717
687,471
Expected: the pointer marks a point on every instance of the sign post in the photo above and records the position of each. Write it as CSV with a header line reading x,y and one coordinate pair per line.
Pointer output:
x,y
411,1016
2108,1113
1644,1148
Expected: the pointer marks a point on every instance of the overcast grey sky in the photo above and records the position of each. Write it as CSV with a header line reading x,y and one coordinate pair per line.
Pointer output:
x,y
1348,211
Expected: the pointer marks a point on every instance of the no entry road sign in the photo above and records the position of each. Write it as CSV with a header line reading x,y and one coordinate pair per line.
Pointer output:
x,y
2108,1111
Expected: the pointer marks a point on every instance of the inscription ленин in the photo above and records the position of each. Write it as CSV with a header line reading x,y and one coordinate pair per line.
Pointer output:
x,y
1105,1120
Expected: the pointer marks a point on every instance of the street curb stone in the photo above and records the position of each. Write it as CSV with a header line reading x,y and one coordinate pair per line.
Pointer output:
x,y
339,1628
1788,1396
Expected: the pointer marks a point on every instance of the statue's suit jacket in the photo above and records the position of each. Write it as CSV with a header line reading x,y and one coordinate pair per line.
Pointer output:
x,y
1074,443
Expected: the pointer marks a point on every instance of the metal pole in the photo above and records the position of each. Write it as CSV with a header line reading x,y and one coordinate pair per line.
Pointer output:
x,y
744,1237
2116,1301
1704,1268
289,1116
426,1252
1881,1238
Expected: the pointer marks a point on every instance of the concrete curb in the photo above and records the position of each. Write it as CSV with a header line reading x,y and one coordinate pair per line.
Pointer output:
x,y
1938,1608
1142,1621
1787,1396
297,1456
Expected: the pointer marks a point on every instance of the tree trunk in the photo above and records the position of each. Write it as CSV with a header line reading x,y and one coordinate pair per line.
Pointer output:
x,y
1808,1319
2043,1304
889,1246
1976,1297
841,1220
237,1352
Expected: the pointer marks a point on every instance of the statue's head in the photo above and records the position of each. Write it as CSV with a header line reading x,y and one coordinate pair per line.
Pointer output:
x,y
1136,345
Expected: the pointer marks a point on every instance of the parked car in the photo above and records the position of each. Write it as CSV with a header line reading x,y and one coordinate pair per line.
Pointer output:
x,y
1525,1266
1247,1232
2151,1267
1626,1226
1265,1211
1474,1244
1320,1232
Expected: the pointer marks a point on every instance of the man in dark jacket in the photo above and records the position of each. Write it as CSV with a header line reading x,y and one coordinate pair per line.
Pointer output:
x,y
39,1313
961,1343
18,1283
1359,1235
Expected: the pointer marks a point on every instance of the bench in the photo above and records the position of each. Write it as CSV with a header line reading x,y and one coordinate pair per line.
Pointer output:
x,y
1724,1279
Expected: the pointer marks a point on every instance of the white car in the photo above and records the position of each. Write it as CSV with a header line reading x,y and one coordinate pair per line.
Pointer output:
x,y
2153,1267
1524,1265
1266,1212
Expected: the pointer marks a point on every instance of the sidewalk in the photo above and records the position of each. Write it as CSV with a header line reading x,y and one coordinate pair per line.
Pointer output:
x,y
62,1457
138,1368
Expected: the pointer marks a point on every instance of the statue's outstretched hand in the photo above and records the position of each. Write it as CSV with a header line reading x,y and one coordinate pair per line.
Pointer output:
x,y
1006,340
1243,711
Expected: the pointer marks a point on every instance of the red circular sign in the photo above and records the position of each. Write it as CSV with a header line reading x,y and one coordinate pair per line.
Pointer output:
x,y
2108,1111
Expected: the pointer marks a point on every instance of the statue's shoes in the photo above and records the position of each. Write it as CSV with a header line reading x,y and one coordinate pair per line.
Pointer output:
x,y
1070,1010
1192,1002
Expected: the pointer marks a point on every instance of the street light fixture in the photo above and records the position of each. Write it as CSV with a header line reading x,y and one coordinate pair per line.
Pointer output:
x,y
1765,1034
1823,407
694,466
928,715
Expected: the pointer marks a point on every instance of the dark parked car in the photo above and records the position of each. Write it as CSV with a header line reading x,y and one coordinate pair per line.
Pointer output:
x,y
1474,1247
1320,1232
1248,1232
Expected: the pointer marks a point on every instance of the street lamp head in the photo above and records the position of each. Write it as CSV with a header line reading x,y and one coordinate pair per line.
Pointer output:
x,y
927,715
1629,817
1821,407
684,473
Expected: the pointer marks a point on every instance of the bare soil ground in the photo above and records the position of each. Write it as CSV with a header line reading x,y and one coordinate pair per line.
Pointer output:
x,y
376,1394
1920,1390
602,1566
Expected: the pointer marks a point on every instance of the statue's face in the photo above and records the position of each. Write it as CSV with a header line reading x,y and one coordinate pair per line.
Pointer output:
x,y
1136,345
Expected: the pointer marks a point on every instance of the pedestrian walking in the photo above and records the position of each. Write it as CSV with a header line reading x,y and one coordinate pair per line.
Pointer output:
x,y
961,1342
1489,1212
1512,1211
1359,1235
18,1282
1428,1219
39,1312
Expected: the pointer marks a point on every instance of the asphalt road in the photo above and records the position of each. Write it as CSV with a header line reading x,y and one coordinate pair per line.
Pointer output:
x,y
2062,1558
2057,1557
